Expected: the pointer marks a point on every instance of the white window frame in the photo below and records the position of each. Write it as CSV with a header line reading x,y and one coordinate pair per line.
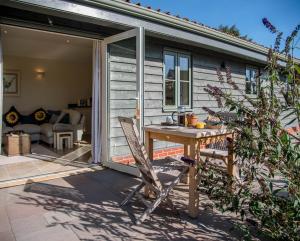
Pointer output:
x,y
250,67
177,54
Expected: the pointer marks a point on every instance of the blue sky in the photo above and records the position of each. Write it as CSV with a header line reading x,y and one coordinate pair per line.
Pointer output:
x,y
245,14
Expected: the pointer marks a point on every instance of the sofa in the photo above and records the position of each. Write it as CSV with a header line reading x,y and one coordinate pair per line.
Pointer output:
x,y
44,132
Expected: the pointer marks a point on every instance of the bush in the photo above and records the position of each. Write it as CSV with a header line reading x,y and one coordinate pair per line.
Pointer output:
x,y
267,190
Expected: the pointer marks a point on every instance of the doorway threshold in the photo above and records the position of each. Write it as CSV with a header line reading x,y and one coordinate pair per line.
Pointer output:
x,y
49,176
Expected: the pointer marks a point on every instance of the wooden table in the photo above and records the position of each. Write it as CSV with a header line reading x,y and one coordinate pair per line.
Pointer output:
x,y
192,139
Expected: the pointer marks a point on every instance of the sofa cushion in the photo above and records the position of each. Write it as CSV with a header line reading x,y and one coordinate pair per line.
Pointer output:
x,y
54,114
63,118
7,129
27,119
28,128
47,129
12,117
74,116
40,116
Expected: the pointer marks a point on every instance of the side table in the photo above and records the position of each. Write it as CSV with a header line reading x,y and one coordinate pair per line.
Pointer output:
x,y
17,144
63,139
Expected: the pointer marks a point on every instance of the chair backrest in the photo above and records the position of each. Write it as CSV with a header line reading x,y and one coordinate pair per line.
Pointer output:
x,y
138,151
219,145
227,117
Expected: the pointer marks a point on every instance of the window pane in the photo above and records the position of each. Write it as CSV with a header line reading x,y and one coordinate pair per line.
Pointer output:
x,y
254,89
169,67
248,74
184,93
170,93
248,87
253,75
184,68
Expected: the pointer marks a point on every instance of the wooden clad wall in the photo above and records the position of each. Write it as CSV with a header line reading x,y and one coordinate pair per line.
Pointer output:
x,y
203,73
122,91
123,86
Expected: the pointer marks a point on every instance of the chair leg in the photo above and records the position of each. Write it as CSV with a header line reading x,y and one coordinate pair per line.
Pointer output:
x,y
150,209
171,204
137,189
164,194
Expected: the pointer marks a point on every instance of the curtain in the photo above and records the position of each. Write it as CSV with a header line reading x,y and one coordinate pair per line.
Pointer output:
x,y
96,103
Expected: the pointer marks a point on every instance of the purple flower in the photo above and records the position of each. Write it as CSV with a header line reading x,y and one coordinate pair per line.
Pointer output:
x,y
270,54
290,38
220,76
268,25
229,79
209,111
277,42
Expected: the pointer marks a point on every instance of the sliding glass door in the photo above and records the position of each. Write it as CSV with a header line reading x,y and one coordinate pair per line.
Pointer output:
x,y
124,64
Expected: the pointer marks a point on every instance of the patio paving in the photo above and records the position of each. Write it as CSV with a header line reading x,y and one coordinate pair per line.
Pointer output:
x,y
86,207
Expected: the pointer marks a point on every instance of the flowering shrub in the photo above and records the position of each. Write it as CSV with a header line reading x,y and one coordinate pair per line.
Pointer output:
x,y
266,192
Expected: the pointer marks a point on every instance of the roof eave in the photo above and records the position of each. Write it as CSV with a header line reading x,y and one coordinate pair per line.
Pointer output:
x,y
141,12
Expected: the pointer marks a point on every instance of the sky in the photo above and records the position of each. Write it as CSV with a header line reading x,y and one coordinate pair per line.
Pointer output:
x,y
245,14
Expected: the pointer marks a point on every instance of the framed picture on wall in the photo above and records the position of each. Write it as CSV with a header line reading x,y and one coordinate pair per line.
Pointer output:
x,y
11,82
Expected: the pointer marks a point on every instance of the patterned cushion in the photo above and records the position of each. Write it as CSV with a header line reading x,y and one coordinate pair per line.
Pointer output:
x,y
40,116
11,117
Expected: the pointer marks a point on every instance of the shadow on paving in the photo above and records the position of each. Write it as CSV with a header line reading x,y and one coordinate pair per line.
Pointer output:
x,y
88,204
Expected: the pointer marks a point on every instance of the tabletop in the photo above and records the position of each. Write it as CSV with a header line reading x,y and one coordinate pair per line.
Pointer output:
x,y
186,131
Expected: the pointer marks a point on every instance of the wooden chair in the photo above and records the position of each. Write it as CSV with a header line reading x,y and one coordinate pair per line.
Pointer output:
x,y
160,177
218,150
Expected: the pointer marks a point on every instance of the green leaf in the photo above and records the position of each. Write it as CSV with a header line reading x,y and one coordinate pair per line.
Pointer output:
x,y
297,68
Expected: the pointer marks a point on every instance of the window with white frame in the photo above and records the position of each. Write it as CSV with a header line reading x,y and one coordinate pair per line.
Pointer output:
x,y
177,80
251,80
263,77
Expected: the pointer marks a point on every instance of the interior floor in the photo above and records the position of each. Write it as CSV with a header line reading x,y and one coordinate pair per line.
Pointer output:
x,y
44,160
52,72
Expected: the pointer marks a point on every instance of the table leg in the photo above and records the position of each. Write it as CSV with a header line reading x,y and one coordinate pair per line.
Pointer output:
x,y
72,140
59,144
149,145
149,150
186,150
230,162
185,177
54,141
193,193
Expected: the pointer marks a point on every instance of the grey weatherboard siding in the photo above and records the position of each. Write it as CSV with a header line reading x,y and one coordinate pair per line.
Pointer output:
x,y
122,77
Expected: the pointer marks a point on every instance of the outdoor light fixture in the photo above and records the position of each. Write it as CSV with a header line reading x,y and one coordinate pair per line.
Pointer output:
x,y
223,65
50,21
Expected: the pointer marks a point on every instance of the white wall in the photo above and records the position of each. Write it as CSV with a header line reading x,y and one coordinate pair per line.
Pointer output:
x,y
64,82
